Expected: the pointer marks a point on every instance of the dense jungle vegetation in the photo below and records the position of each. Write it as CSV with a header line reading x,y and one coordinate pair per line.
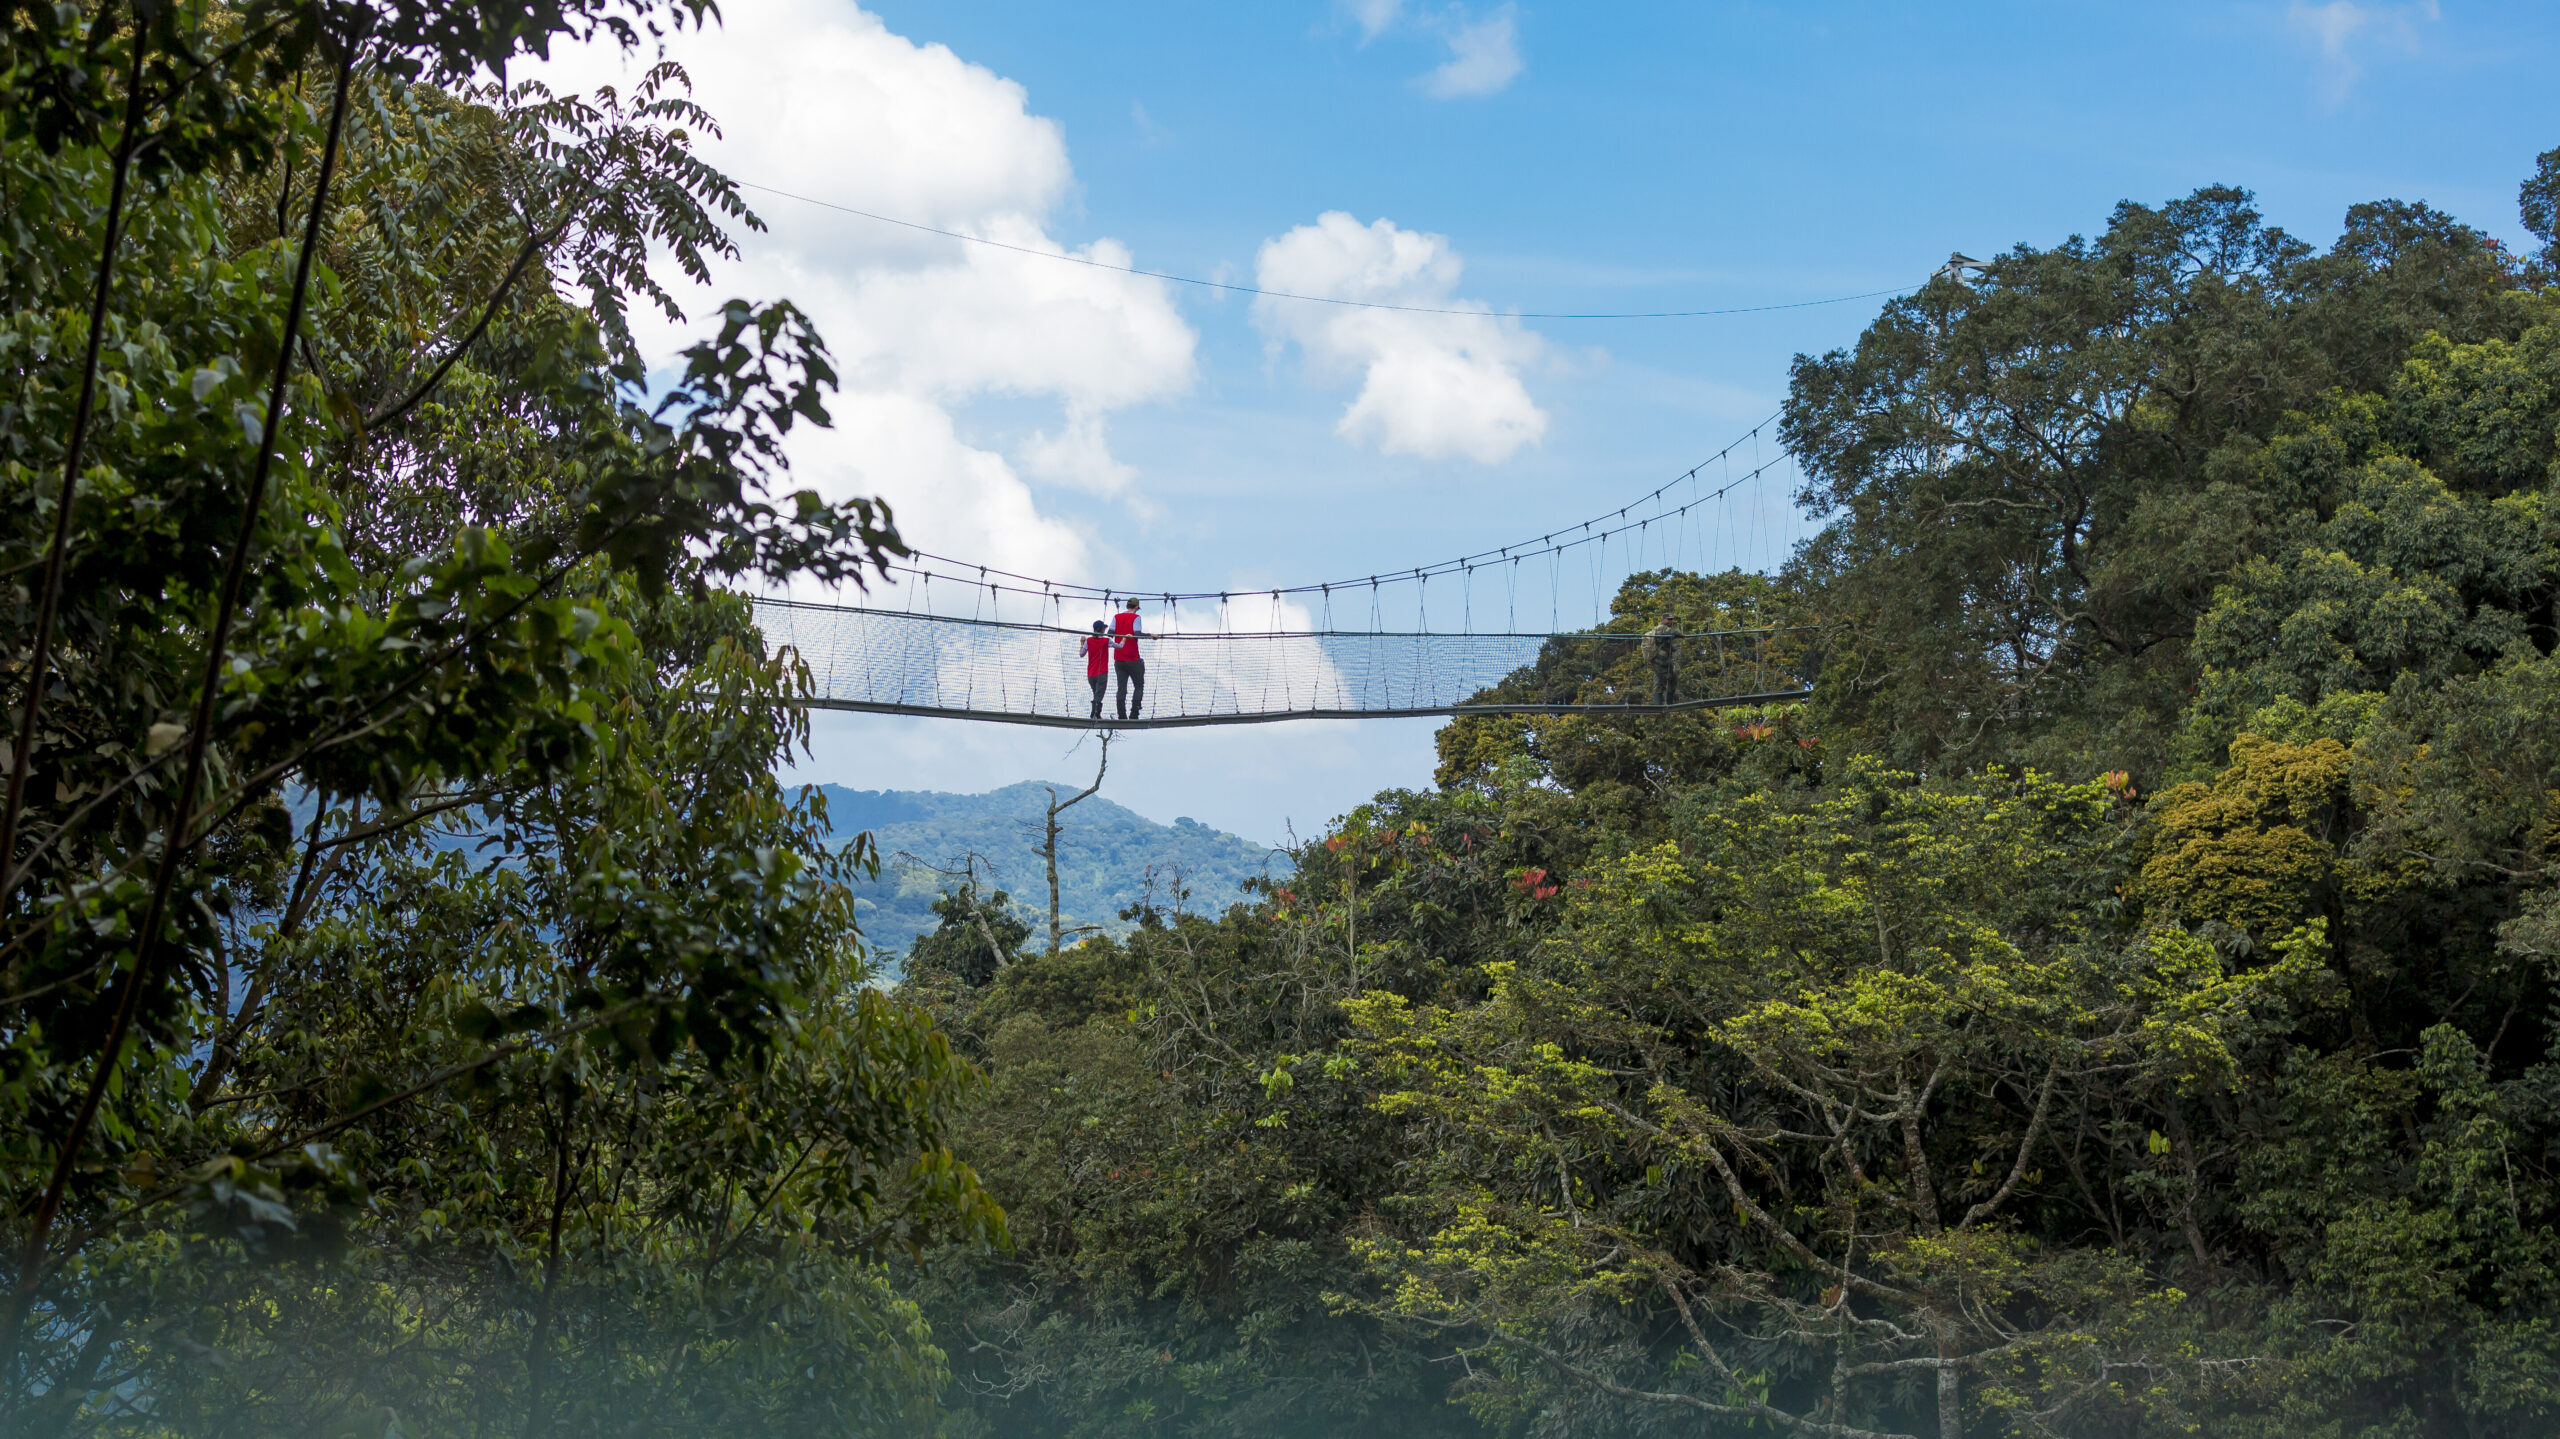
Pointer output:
x,y
420,1010
2119,1003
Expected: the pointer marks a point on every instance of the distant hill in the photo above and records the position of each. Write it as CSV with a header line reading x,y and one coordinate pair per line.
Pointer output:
x,y
1104,854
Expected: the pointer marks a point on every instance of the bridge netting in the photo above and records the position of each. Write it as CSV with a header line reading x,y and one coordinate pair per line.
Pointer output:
x,y
903,662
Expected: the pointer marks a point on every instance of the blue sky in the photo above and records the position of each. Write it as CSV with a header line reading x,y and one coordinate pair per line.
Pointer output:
x,y
1520,157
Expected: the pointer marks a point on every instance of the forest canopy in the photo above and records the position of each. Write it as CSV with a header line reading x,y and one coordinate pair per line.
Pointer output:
x,y
2120,1001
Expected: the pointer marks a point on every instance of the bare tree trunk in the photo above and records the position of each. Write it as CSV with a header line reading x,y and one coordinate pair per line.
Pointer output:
x,y
306,885
538,1351
987,932
1950,1385
1351,910
2183,1145
1049,838
1049,852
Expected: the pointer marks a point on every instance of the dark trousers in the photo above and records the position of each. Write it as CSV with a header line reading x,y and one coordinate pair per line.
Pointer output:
x,y
1666,683
1100,683
1133,686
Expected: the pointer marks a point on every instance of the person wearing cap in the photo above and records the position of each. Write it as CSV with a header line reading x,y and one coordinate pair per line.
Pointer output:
x,y
1097,664
1662,650
1125,661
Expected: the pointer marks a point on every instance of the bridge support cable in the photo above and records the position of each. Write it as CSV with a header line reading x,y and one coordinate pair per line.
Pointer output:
x,y
1689,499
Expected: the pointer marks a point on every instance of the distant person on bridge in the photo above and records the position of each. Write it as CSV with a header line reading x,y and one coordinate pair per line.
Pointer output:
x,y
1097,664
1125,661
1662,650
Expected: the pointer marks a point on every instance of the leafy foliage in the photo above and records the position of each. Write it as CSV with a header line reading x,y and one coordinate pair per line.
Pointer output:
x,y
504,1060
2038,485
2119,1003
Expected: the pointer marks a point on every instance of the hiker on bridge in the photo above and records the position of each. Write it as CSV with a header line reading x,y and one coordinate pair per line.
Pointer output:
x,y
1125,661
1097,664
1662,650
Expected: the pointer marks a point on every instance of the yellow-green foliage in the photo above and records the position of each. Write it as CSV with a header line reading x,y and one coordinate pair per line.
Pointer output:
x,y
1752,1029
2250,848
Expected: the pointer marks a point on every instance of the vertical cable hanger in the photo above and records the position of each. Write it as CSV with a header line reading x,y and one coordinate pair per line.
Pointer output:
x,y
1591,578
1756,469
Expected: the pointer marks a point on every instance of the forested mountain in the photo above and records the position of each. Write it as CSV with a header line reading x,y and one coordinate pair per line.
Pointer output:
x,y
2119,1003
1110,858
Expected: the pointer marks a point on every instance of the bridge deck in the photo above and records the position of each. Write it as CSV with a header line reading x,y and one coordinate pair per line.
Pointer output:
x,y
1059,721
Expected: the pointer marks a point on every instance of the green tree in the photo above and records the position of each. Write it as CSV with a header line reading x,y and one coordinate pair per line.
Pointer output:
x,y
409,968
1760,1131
2539,200
604,1246
2035,486
1179,1201
978,935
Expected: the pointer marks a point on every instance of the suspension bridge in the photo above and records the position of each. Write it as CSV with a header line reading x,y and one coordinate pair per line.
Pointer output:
x,y
1217,658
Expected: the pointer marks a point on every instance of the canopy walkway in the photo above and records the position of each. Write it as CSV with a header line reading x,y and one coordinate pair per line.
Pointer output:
x,y
885,661
1311,656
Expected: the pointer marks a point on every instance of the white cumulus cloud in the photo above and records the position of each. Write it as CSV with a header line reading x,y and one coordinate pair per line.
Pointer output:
x,y
1484,50
1484,56
822,99
1374,15
1079,454
2342,31
1435,386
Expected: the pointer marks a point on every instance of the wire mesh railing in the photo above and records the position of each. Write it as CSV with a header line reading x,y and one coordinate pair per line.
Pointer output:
x,y
910,663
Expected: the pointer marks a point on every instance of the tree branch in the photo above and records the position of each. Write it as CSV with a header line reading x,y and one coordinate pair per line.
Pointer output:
x,y
1751,1410
2026,1147
49,588
147,944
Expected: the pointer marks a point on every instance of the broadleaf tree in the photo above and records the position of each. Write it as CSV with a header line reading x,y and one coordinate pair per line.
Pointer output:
x,y
482,1006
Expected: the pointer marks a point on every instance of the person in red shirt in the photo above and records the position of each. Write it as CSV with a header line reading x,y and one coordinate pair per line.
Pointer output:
x,y
1125,661
1097,664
